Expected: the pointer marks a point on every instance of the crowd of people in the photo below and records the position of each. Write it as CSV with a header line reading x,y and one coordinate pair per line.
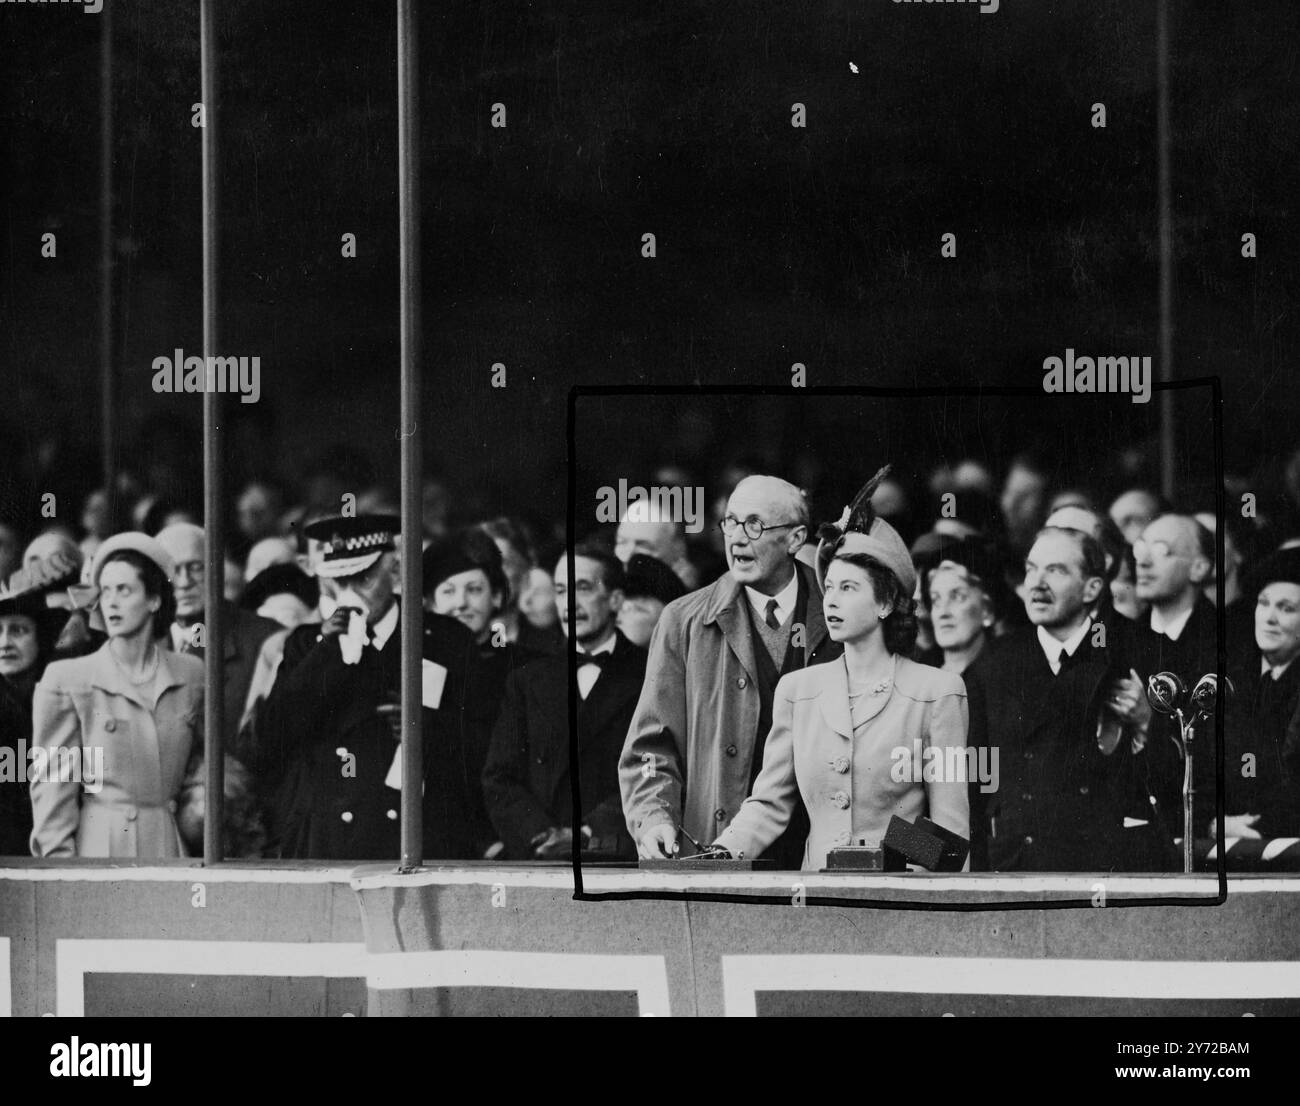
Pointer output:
x,y
766,689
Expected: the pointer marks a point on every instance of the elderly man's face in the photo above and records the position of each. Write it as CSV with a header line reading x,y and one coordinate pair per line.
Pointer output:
x,y
376,586
1057,592
186,550
1169,561
595,605
764,563
656,539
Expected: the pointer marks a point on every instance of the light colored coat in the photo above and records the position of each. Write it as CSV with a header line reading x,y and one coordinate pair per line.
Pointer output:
x,y
87,703
850,785
691,744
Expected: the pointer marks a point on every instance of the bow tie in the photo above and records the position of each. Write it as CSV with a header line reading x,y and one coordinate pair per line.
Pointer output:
x,y
598,659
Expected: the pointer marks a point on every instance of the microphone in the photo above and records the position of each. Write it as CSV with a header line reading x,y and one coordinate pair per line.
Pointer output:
x,y
1166,692
1206,692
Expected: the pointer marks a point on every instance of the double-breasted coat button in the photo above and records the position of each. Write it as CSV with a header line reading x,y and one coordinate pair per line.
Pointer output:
x,y
1027,797
346,816
741,682
1028,839
841,764
840,799
1083,790
110,725
719,814
392,816
732,750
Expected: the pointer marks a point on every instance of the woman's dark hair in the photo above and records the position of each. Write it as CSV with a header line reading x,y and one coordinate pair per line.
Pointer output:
x,y
155,584
899,626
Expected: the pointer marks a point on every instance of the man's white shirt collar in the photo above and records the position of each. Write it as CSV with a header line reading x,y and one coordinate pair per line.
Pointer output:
x,y
1052,649
382,630
1172,629
785,599
181,637
608,647
588,674
1266,669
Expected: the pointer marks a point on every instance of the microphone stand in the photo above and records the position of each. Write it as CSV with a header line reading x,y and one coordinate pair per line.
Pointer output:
x,y
1187,728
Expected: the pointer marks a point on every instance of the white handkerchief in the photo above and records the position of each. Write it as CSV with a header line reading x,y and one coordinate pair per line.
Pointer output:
x,y
354,641
1133,823
394,777
433,678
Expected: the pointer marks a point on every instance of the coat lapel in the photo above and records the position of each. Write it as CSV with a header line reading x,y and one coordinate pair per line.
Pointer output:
x,y
833,697
815,632
730,615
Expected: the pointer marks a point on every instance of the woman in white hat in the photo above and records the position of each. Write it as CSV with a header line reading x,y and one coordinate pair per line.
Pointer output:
x,y
864,737
114,732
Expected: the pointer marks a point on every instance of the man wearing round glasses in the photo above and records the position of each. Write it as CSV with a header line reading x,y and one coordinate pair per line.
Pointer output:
x,y
696,739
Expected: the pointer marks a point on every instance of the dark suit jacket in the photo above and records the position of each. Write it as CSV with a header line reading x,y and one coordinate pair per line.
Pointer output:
x,y
321,716
1060,802
243,634
16,739
1263,723
1193,655
527,781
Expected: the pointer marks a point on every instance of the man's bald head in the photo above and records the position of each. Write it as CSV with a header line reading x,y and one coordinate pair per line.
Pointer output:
x,y
1076,518
770,493
183,541
1171,560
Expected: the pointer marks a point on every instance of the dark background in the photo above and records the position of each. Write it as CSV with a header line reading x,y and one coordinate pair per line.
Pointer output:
x,y
775,244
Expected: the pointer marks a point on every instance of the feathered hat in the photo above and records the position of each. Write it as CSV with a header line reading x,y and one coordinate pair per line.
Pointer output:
x,y
864,532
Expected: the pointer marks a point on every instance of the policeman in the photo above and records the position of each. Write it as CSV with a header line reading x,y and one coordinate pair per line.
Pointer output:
x,y
323,743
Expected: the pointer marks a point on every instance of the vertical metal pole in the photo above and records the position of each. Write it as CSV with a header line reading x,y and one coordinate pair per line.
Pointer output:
x,y
408,208
107,383
214,577
1168,475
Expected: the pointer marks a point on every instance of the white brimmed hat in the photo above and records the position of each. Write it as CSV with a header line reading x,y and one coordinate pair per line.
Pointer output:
x,y
138,542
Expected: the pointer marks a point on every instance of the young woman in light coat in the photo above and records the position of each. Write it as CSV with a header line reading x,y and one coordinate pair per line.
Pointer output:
x,y
871,734
118,728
